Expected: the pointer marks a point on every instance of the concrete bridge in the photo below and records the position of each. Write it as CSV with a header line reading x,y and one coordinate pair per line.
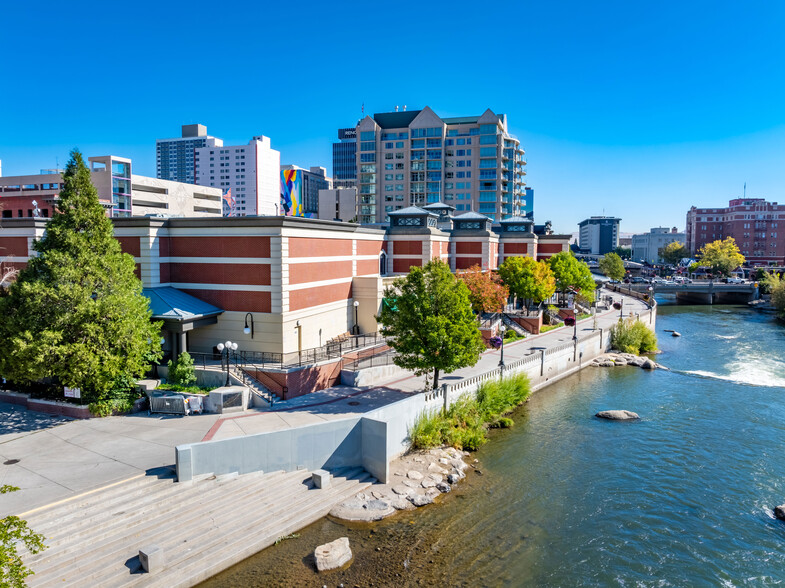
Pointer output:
x,y
708,292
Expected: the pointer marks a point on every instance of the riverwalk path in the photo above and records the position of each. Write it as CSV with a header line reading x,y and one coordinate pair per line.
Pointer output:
x,y
52,459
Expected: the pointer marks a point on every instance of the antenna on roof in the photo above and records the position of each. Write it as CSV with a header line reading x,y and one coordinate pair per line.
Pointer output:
x,y
396,108
404,108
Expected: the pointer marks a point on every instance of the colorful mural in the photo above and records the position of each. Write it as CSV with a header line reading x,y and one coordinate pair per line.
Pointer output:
x,y
229,204
292,193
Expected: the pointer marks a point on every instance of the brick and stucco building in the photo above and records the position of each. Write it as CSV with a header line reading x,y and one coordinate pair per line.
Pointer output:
x,y
752,222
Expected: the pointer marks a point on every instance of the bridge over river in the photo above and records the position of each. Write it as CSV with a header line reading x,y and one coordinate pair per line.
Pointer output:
x,y
703,292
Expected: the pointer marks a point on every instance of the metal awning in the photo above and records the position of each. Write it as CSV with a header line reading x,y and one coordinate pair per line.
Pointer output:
x,y
180,311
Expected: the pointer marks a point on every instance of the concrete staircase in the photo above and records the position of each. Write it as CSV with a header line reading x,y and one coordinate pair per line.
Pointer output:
x,y
257,388
511,324
203,527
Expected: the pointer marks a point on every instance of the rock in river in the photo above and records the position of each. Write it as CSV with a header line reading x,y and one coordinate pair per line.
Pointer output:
x,y
617,415
779,512
333,555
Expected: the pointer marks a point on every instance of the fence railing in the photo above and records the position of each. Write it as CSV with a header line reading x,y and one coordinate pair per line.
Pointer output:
x,y
361,363
269,360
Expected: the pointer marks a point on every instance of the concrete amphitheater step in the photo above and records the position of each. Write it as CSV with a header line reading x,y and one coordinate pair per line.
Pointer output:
x,y
136,518
219,535
70,554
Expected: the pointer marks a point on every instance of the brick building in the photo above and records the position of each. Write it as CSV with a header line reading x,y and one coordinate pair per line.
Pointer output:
x,y
298,278
752,222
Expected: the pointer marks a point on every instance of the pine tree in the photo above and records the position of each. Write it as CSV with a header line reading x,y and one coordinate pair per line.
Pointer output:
x,y
76,313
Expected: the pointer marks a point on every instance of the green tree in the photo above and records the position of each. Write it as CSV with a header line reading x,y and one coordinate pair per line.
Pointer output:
x,y
721,256
570,273
14,532
623,252
182,372
612,266
486,292
76,313
673,252
531,281
429,321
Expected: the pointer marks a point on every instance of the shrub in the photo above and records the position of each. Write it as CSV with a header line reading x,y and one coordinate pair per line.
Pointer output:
x,y
632,336
181,372
466,423
105,408
187,389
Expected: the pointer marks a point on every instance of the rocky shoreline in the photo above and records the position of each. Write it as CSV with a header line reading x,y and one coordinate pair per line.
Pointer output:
x,y
417,479
619,359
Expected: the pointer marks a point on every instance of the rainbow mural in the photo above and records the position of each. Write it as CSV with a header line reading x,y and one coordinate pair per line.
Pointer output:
x,y
292,193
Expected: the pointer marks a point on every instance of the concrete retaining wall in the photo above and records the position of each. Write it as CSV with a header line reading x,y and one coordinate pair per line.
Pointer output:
x,y
373,440
371,376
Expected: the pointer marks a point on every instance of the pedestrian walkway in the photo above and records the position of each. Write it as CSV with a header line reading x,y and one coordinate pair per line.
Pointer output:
x,y
52,458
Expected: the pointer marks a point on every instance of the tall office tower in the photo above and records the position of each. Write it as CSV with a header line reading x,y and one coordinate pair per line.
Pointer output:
x,y
345,159
599,234
305,194
412,158
174,158
526,207
247,174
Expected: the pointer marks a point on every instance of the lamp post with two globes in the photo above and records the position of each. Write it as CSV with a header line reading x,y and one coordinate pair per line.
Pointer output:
x,y
228,347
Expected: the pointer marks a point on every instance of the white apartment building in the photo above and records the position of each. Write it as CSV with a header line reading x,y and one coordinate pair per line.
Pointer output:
x,y
647,246
413,158
174,158
249,176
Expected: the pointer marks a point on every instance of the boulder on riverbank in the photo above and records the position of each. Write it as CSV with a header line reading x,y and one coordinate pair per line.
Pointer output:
x,y
617,415
333,555
779,512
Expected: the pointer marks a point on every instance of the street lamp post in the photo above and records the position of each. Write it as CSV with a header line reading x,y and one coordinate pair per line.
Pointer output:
x,y
356,328
502,330
228,347
621,308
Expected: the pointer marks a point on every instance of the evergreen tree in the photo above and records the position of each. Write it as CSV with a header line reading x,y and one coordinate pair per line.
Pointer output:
x,y
429,320
76,313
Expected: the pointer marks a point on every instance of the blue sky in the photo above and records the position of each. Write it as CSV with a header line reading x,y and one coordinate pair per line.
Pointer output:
x,y
633,109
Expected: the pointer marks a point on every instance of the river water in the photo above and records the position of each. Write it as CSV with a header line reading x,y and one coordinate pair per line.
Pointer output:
x,y
682,497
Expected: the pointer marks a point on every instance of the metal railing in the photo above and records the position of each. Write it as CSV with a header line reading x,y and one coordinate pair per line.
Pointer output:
x,y
361,363
270,360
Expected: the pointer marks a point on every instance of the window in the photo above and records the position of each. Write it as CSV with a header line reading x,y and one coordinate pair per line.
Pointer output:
x,y
367,157
367,169
488,140
388,145
418,144
388,166
399,144
460,142
366,136
434,165
488,129
369,146
399,176
388,155
434,154
434,143
388,177
399,155
487,163
399,187
399,166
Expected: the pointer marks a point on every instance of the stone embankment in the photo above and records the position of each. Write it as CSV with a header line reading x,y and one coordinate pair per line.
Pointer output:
x,y
617,358
416,480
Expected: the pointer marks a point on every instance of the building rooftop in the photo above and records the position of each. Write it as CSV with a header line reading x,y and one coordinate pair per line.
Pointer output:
x,y
395,120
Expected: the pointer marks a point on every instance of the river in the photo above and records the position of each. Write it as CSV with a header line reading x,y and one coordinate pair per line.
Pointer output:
x,y
682,497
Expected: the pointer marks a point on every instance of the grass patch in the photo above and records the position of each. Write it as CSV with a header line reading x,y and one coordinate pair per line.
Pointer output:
x,y
546,328
632,336
467,421
187,389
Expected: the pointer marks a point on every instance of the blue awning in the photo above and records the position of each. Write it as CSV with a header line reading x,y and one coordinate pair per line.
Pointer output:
x,y
171,304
